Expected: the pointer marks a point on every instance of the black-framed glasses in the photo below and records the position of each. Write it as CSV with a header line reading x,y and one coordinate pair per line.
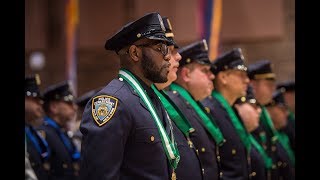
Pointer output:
x,y
163,48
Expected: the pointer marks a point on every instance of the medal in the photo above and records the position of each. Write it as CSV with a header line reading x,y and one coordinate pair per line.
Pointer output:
x,y
190,143
173,176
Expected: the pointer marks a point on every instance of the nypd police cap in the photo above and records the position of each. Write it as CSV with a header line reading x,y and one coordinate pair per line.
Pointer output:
x,y
287,86
262,69
195,52
277,99
149,26
232,59
169,33
31,86
60,91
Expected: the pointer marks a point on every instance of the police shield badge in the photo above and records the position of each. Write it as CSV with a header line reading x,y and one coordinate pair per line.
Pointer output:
x,y
103,108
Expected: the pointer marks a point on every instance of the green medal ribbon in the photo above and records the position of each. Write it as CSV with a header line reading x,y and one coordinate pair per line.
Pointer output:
x,y
243,134
169,146
266,120
174,112
206,118
283,138
267,160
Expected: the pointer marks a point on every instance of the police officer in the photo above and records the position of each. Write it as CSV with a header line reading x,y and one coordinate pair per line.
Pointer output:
x,y
288,90
262,80
194,82
248,111
278,111
230,83
60,108
126,132
37,147
189,166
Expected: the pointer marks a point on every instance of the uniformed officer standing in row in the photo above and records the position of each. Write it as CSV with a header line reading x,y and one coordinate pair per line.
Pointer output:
x,y
194,83
126,132
263,81
60,108
189,165
248,111
288,90
230,83
37,147
278,111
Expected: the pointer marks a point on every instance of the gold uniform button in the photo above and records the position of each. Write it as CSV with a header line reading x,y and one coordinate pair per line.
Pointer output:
x,y
264,147
221,173
233,151
46,166
253,174
218,158
64,165
273,148
152,138
273,166
279,163
203,150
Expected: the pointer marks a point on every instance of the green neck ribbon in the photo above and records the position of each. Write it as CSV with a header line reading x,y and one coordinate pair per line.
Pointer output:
x,y
281,137
267,160
243,134
206,118
169,145
174,112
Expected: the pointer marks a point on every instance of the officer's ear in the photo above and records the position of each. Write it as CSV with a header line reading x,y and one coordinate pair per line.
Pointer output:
x,y
222,76
185,74
53,107
134,52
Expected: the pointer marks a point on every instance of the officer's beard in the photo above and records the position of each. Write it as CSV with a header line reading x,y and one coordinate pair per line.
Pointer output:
x,y
152,72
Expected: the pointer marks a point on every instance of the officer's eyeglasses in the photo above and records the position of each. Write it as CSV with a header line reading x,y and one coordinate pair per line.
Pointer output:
x,y
163,48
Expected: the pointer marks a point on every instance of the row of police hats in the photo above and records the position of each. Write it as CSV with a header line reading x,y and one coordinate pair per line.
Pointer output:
x,y
60,91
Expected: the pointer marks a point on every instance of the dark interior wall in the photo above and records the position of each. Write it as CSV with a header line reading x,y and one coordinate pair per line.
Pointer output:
x,y
262,30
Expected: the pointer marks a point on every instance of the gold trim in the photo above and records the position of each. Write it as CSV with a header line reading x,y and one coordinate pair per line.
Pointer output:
x,y
264,76
205,44
37,77
170,27
169,35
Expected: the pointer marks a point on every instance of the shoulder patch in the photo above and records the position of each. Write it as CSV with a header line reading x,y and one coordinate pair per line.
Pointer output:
x,y
41,133
103,108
